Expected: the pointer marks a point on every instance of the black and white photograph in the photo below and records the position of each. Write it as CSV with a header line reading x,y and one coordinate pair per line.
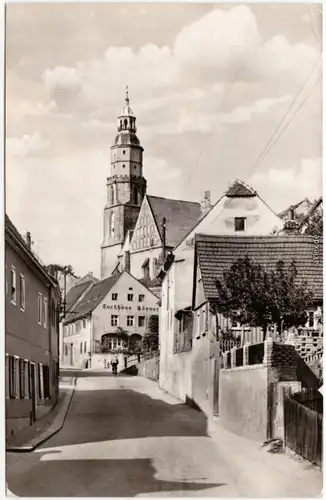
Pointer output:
x,y
163,249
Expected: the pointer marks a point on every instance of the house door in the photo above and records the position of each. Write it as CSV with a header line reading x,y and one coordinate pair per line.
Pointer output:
x,y
32,384
71,354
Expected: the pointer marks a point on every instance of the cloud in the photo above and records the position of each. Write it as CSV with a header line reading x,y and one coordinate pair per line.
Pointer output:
x,y
281,187
243,114
27,146
228,40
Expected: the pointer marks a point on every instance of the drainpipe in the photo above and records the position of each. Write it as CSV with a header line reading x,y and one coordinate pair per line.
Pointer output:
x,y
164,237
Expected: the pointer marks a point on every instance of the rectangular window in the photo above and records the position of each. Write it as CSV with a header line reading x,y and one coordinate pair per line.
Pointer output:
x,y
13,291
240,223
311,319
141,320
114,320
45,312
30,381
66,350
53,312
7,374
40,380
84,323
78,326
46,382
130,321
141,298
81,348
21,379
130,297
85,347
22,292
12,377
39,309
114,296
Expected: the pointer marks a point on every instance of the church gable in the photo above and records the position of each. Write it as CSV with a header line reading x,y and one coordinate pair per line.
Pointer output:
x,y
146,235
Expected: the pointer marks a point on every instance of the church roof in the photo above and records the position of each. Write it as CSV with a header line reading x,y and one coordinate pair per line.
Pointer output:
x,y
239,189
181,216
93,298
216,254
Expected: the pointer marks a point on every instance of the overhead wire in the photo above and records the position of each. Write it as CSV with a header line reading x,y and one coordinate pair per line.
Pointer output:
x,y
293,103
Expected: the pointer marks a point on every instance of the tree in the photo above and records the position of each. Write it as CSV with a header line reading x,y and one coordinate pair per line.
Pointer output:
x,y
256,297
151,338
315,223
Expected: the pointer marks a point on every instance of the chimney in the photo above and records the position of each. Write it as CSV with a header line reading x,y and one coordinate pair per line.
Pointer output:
x,y
29,240
291,214
205,204
127,261
291,226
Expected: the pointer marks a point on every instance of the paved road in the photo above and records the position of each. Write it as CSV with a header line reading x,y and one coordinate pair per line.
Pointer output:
x,y
124,437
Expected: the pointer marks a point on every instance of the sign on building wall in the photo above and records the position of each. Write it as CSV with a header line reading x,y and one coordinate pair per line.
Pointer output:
x,y
121,307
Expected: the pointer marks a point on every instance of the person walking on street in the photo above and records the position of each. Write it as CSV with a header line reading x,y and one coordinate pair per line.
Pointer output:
x,y
114,364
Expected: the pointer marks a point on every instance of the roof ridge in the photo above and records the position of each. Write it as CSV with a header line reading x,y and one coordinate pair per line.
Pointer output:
x,y
172,199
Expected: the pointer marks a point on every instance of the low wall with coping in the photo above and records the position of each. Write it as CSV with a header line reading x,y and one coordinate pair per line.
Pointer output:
x,y
244,400
149,368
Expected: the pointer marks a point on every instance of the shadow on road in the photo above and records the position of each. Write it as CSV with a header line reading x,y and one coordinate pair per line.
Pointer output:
x,y
88,374
95,478
96,416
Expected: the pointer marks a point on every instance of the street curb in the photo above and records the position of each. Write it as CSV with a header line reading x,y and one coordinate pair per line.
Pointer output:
x,y
28,449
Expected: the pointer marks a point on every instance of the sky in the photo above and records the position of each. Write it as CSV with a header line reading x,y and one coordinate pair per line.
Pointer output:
x,y
208,83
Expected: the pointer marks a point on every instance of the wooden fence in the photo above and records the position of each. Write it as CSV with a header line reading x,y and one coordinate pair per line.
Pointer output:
x,y
303,427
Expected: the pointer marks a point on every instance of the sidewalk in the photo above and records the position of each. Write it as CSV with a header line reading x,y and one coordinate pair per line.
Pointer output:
x,y
270,475
32,437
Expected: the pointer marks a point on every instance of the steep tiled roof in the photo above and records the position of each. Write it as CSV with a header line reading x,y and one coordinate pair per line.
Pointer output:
x,y
93,298
294,207
216,254
239,189
75,292
311,212
181,216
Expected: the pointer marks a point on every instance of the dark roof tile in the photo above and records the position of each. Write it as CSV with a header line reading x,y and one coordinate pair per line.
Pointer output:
x,y
75,292
93,298
217,253
239,189
181,217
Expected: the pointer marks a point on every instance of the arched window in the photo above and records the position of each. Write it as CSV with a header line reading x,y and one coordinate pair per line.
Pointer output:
x,y
126,123
154,268
111,224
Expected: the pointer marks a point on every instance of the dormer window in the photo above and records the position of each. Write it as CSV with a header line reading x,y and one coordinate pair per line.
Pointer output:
x,y
240,224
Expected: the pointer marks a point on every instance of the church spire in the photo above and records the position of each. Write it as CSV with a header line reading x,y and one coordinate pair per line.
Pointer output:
x,y
127,119
127,96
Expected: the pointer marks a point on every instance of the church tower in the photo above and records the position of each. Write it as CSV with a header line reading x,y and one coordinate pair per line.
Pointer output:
x,y
126,188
